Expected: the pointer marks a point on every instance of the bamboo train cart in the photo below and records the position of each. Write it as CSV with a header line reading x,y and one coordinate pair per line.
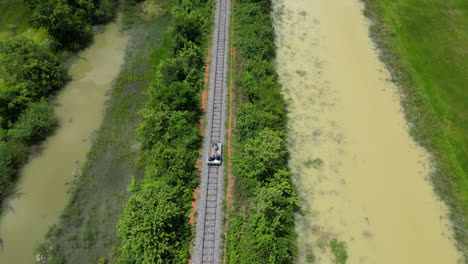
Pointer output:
x,y
215,156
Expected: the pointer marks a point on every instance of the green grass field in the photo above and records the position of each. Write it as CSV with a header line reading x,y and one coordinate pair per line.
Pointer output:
x,y
425,46
433,37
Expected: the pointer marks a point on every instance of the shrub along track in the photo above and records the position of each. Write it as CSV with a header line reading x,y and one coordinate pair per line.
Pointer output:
x,y
208,230
260,220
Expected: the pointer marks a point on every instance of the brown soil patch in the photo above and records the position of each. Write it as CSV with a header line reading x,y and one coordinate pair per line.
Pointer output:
x,y
206,79
194,206
204,94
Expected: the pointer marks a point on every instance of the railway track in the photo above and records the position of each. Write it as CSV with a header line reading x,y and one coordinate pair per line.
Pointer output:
x,y
207,249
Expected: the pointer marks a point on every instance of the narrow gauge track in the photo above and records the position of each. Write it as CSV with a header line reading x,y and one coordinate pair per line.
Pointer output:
x,y
207,247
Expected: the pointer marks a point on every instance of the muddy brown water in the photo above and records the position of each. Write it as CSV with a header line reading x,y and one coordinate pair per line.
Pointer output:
x,y
44,181
359,175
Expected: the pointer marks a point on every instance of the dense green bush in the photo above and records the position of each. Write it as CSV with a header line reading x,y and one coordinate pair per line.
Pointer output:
x,y
154,227
167,126
253,117
188,27
30,72
262,233
257,35
12,154
261,227
261,156
104,11
35,124
69,21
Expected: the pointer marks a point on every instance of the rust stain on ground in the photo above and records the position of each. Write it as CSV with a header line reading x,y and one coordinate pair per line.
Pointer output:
x,y
204,94
206,79
194,206
204,101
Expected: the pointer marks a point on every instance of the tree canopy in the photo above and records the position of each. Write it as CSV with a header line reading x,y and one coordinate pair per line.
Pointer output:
x,y
153,227
69,21
30,72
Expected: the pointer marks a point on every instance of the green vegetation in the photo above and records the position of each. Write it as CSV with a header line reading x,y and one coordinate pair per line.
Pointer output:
x,y
30,73
137,11
423,44
310,258
13,16
69,21
14,21
35,124
87,228
156,230
261,225
104,11
154,227
12,155
338,249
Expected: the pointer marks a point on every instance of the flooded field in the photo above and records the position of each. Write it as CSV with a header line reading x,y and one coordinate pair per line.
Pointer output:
x,y
44,181
359,175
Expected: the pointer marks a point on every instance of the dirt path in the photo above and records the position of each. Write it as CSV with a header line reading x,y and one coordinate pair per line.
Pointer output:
x,y
359,175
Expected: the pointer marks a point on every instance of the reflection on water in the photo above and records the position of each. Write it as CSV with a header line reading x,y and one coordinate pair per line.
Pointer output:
x,y
46,178
359,174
